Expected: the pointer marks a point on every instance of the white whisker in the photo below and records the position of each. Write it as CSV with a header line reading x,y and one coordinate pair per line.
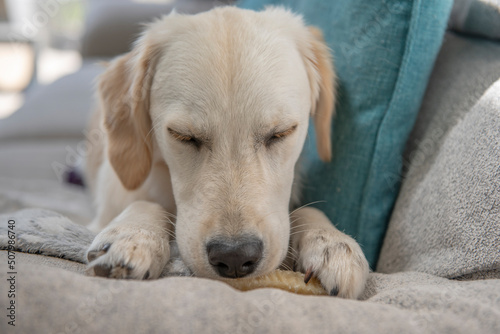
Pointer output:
x,y
303,206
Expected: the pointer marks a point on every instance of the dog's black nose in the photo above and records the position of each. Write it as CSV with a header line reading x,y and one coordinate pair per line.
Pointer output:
x,y
234,258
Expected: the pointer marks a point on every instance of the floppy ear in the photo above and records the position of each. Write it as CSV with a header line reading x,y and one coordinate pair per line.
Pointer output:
x,y
322,80
124,94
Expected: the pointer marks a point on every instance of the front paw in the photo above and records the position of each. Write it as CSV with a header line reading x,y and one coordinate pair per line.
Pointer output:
x,y
128,252
336,260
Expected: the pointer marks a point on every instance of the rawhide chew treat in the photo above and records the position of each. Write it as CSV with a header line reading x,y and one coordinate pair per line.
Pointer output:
x,y
290,281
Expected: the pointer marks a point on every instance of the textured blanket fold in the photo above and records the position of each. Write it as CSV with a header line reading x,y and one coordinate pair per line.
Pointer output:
x,y
54,297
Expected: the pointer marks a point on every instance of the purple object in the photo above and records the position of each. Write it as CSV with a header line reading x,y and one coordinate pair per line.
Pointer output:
x,y
73,176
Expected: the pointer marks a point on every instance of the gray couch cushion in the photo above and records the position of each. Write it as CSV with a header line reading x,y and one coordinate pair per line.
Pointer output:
x,y
464,69
46,159
447,218
60,109
68,200
476,17
112,26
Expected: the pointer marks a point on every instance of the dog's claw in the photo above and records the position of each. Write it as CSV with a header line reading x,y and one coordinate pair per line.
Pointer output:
x,y
92,255
308,275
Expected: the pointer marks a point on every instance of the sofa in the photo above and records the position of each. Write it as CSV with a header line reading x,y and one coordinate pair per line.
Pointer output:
x,y
438,270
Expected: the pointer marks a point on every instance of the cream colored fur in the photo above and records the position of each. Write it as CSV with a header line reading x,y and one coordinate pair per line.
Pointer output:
x,y
205,120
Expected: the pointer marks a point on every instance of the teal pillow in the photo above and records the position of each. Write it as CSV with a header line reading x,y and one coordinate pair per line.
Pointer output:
x,y
384,52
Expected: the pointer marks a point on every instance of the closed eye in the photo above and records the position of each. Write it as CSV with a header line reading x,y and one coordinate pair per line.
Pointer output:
x,y
184,138
277,136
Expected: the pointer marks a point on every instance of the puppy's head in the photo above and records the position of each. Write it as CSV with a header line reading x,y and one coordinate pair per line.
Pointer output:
x,y
224,98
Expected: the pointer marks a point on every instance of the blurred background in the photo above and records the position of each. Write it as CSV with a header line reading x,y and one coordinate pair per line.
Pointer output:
x,y
51,53
44,40
39,42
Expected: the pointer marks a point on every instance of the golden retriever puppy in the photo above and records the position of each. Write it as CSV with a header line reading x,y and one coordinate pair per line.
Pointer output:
x,y
205,120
